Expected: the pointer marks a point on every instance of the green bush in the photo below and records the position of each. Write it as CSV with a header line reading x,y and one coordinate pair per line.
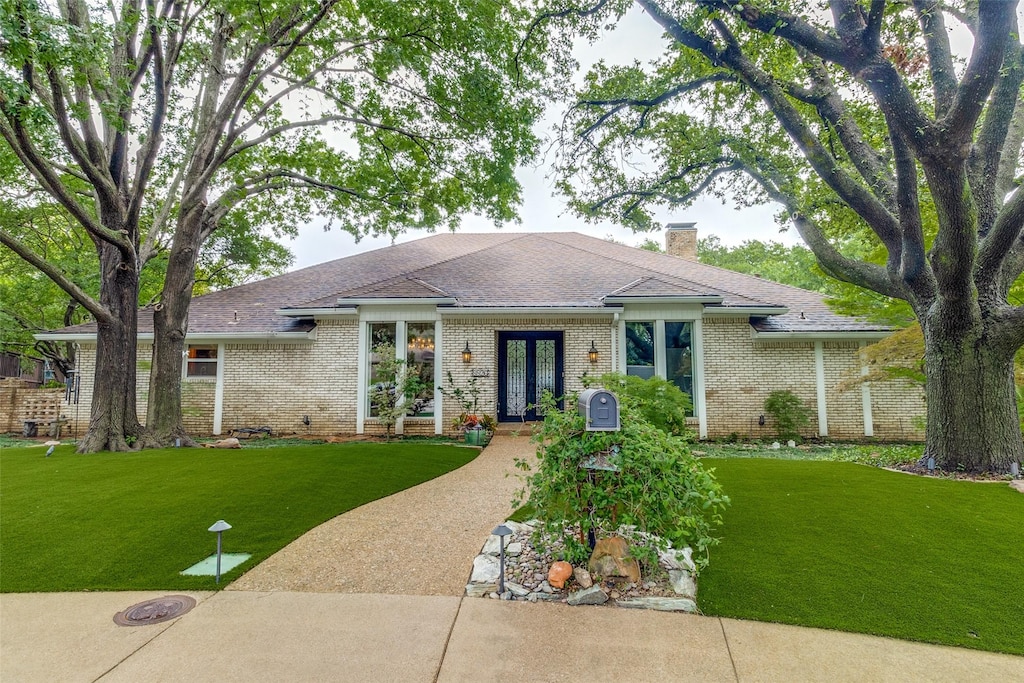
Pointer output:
x,y
660,487
659,401
789,413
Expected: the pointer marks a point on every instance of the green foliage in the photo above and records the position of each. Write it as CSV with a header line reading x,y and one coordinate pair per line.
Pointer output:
x,y
774,261
660,487
788,412
660,402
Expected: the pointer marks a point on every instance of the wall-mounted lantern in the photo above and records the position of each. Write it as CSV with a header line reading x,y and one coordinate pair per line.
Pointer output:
x,y
592,353
467,355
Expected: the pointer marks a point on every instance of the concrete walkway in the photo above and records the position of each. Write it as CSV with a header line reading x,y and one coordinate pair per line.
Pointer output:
x,y
316,612
287,636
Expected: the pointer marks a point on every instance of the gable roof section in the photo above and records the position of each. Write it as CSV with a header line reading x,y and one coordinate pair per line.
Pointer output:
x,y
503,270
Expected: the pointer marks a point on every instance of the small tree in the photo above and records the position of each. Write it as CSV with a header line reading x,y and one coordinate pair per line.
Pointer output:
x,y
789,413
392,389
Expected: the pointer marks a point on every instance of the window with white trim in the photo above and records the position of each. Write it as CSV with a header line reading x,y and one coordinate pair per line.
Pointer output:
x,y
662,348
201,360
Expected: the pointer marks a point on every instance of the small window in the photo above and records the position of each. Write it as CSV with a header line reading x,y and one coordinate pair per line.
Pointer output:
x,y
202,361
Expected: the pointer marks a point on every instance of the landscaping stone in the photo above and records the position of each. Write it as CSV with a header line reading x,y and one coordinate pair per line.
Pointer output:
x,y
677,559
660,604
582,577
517,590
485,569
682,583
1017,484
588,596
559,572
478,590
493,545
611,558
514,549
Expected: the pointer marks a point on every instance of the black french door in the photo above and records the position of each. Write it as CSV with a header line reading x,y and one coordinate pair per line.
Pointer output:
x,y
529,363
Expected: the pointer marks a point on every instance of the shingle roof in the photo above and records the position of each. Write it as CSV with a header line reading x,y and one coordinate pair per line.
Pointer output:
x,y
501,270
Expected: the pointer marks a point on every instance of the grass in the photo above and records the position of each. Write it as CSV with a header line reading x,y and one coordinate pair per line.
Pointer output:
x,y
133,521
853,548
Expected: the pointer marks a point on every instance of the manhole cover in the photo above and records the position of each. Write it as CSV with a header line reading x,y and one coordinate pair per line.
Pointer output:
x,y
155,611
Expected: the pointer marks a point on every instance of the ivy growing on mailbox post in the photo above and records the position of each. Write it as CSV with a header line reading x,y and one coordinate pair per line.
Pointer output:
x,y
660,488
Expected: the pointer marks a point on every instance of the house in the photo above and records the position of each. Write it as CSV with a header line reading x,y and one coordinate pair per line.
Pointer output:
x,y
517,313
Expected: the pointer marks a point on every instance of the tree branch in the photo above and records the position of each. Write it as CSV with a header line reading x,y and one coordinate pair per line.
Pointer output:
x,y
940,57
99,311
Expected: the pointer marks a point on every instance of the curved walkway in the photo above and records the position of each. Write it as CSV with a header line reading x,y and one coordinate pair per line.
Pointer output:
x,y
420,541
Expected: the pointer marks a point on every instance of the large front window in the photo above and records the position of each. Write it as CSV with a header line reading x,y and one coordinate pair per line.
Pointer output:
x,y
415,365
419,368
661,348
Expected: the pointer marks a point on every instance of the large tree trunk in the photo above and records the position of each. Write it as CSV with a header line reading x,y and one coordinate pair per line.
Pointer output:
x,y
113,421
170,324
973,424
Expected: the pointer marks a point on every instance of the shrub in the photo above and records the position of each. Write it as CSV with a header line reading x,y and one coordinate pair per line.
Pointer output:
x,y
660,402
660,487
789,412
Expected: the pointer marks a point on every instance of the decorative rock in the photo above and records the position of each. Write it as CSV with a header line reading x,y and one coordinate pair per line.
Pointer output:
x,y
493,595
683,583
493,545
478,590
660,604
588,596
559,572
791,443
677,559
485,569
514,549
582,577
518,527
611,558
516,590
775,445
1017,484
544,587
615,595
225,443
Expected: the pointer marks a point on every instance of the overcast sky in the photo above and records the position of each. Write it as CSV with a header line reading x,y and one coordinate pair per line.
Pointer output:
x,y
636,37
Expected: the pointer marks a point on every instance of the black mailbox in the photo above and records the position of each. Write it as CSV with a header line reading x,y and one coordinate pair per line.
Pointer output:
x,y
600,409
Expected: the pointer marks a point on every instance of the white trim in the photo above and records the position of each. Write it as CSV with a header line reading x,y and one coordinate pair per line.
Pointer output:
x,y
326,313
528,311
218,393
438,378
362,363
622,347
699,398
838,335
865,395
819,376
198,338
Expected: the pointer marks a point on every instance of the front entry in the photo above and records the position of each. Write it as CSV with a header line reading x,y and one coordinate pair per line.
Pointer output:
x,y
529,363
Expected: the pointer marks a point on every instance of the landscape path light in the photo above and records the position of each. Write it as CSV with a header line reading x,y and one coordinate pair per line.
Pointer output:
x,y
501,532
220,526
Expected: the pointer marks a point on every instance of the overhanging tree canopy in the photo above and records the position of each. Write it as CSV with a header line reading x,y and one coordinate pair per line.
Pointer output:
x,y
860,119
153,124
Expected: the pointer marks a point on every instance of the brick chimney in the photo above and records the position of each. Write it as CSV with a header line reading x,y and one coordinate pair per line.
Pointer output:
x,y
681,240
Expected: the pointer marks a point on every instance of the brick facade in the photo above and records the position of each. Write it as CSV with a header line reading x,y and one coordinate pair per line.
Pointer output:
x,y
278,384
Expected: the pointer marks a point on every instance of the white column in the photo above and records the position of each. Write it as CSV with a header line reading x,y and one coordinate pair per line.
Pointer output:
x,y
865,395
659,349
819,373
699,398
438,381
402,354
362,361
218,392
622,347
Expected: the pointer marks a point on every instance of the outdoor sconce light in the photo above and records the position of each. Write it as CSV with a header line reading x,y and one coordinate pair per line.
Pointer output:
x,y
592,353
220,527
501,532
760,421
467,355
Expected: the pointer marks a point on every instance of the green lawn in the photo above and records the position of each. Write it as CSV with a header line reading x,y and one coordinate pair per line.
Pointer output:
x,y
127,521
855,548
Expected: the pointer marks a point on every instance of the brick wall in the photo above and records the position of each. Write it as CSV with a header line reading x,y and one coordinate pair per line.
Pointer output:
x,y
20,402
